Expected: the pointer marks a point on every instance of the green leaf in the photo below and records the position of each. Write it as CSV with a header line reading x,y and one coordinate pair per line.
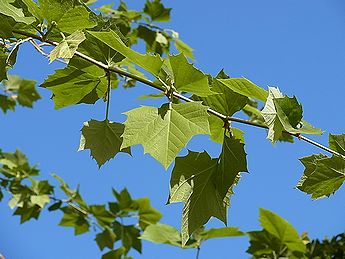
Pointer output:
x,y
282,230
232,162
27,211
103,138
226,102
157,11
148,62
7,103
53,10
55,206
102,215
40,200
25,90
337,143
187,78
284,114
75,19
17,14
165,131
183,48
221,232
33,9
322,175
67,47
193,181
147,214
106,239
6,26
264,245
245,87
129,236
73,218
3,66
100,51
162,234
73,84
114,254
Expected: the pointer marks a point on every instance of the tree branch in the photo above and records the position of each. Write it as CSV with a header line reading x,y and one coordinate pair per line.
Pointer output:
x,y
175,94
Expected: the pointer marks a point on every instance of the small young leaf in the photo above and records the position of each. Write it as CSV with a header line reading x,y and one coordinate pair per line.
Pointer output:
x,y
184,48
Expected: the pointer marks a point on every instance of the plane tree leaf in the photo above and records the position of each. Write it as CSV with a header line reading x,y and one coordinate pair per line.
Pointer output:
x,y
282,230
220,232
79,82
322,175
337,143
245,87
165,131
22,90
225,101
162,234
75,19
106,239
74,219
187,78
156,10
6,8
67,47
193,181
184,48
284,114
103,138
232,162
148,62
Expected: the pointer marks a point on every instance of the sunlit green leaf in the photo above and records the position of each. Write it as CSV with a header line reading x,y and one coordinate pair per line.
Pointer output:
x,y
148,62
187,78
337,143
160,130
322,175
67,47
245,87
156,10
75,219
162,234
17,14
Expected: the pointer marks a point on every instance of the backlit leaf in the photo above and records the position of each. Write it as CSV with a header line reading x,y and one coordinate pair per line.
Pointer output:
x,y
156,10
67,47
322,175
337,143
245,87
165,131
148,62
187,78
17,14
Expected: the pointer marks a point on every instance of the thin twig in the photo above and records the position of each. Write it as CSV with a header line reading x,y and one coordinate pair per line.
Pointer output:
x,y
175,94
108,95
39,48
197,252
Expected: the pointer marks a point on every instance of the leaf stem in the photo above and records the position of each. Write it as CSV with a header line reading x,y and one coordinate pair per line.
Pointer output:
x,y
197,252
108,95
175,94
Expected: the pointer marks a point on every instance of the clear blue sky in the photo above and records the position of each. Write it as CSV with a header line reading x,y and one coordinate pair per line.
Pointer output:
x,y
296,45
